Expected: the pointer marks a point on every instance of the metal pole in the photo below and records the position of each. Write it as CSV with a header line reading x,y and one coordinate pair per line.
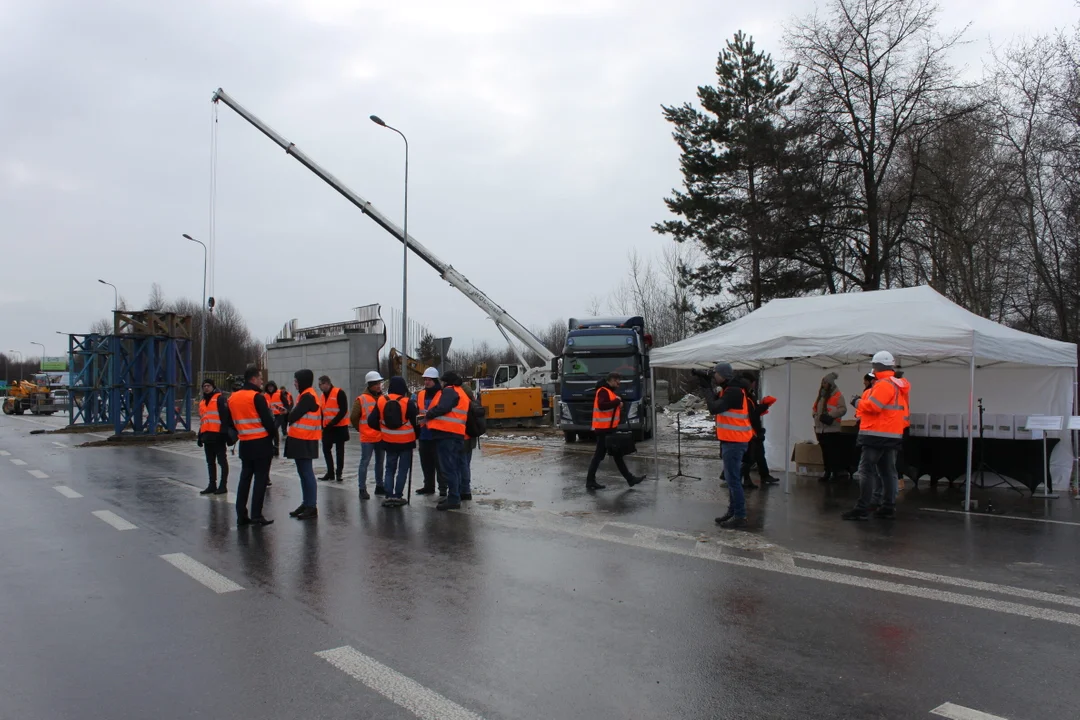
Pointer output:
x,y
405,254
787,435
116,295
655,430
971,439
42,354
1076,436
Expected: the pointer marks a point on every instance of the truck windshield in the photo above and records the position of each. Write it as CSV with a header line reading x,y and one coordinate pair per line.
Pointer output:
x,y
594,367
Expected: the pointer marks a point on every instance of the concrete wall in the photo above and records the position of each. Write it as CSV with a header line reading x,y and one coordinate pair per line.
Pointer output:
x,y
345,358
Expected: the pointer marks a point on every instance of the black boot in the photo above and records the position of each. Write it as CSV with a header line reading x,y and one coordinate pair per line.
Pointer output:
x,y
222,489
725,517
328,476
210,489
593,485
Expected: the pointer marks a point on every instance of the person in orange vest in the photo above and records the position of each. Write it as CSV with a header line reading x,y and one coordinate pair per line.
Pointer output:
x,y
395,419
370,440
302,442
446,421
335,428
731,406
606,415
280,405
429,451
213,414
829,407
883,414
250,418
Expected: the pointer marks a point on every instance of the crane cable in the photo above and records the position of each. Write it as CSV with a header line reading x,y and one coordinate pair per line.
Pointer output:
x,y
212,229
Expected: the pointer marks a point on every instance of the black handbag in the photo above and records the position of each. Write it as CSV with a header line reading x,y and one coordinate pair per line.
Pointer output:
x,y
827,419
620,443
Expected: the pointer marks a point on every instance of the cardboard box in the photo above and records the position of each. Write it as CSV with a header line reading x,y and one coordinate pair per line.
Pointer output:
x,y
1004,429
953,428
810,470
935,425
1020,431
807,453
919,426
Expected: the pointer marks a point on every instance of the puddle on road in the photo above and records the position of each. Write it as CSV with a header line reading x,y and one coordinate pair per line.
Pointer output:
x,y
503,504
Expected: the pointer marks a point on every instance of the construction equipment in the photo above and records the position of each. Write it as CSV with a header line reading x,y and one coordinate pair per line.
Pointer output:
x,y
24,395
513,407
416,367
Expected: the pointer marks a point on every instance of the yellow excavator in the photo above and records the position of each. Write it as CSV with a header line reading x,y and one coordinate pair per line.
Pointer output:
x,y
416,367
24,395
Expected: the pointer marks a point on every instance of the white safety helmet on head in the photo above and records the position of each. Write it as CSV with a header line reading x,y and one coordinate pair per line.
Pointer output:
x,y
431,373
884,357
373,377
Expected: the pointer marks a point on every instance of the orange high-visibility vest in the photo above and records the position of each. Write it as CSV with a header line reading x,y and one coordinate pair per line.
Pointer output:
x,y
865,394
883,410
367,404
309,426
605,419
209,417
402,435
831,404
453,421
734,425
245,417
330,406
276,405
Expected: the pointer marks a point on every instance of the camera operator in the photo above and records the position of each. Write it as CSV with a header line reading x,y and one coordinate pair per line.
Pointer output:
x,y
731,406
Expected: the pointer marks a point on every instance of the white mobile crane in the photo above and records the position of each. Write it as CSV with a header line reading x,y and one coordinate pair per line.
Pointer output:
x,y
505,375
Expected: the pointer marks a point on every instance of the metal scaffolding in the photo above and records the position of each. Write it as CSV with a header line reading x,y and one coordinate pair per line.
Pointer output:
x,y
90,364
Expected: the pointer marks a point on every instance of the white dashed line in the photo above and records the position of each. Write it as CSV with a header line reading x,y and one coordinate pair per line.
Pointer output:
x,y
38,474
4,453
196,570
115,520
956,712
424,703
1000,517
59,444
17,461
67,492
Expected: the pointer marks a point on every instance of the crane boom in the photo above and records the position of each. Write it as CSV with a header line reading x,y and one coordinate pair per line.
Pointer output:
x,y
500,317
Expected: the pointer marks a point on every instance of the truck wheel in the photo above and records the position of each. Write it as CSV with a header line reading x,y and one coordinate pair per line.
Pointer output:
x,y
569,436
648,434
9,408
639,435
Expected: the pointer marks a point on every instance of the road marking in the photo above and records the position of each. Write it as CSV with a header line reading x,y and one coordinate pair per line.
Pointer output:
x,y
38,474
67,492
115,520
230,496
17,461
1003,517
4,453
195,569
59,444
406,692
956,712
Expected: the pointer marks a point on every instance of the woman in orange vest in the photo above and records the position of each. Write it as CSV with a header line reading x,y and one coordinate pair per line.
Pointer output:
x,y
731,406
606,415
302,442
397,428
212,438
829,407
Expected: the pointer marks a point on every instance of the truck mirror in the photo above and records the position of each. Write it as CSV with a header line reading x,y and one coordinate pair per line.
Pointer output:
x,y
555,368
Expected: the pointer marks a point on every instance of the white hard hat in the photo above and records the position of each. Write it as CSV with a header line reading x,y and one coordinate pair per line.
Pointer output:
x,y
372,377
432,373
884,357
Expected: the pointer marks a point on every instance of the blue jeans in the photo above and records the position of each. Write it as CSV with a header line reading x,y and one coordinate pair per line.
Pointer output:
x,y
450,452
877,467
309,487
366,451
465,469
732,455
397,461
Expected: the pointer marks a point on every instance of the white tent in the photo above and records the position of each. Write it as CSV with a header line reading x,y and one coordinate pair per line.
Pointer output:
x,y
950,355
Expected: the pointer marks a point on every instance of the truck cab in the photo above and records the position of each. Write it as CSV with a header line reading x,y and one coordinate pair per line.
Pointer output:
x,y
595,347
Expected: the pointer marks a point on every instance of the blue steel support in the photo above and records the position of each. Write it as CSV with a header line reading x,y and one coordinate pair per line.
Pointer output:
x,y
90,362
151,387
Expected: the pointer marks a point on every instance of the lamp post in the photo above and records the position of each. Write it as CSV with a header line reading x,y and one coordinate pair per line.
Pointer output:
x,y
116,295
42,354
405,255
202,320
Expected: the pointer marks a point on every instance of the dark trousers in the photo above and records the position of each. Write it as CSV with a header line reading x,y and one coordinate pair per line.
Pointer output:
x,y
429,465
830,453
598,457
217,454
755,454
259,469
328,444
281,422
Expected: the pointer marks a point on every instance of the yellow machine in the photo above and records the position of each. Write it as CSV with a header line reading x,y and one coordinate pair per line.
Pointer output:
x,y
23,396
513,407
416,368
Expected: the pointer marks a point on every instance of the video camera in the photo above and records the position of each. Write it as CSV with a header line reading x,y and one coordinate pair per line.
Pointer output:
x,y
704,377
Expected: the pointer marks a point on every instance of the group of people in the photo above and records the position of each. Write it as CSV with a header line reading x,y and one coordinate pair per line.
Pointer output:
x,y
441,420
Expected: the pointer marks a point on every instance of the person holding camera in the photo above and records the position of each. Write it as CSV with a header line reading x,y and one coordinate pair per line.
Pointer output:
x,y
607,412
731,406
829,407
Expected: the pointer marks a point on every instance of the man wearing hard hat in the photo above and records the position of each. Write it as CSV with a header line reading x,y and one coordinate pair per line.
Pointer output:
x,y
883,416
370,438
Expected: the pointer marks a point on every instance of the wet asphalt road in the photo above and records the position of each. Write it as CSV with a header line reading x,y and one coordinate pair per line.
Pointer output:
x,y
540,601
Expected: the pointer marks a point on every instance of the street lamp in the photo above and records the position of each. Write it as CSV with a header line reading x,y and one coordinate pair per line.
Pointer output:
x,y
42,354
405,256
202,320
116,295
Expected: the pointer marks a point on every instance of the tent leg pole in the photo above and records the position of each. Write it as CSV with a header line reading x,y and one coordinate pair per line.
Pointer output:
x,y
655,430
971,440
1076,436
787,436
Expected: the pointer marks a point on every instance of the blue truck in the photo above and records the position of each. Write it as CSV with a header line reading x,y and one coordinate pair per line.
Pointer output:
x,y
595,347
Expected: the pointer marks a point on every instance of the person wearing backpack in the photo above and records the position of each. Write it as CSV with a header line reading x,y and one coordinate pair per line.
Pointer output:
x,y
394,418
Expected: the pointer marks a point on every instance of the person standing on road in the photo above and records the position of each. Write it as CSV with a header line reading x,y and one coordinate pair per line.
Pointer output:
x,y
731,406
250,417
394,418
607,412
302,442
755,451
213,418
829,407
883,417
370,440
280,405
446,421
429,454
335,428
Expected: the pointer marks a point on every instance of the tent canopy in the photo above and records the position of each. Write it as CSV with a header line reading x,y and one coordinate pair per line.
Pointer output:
x,y
917,323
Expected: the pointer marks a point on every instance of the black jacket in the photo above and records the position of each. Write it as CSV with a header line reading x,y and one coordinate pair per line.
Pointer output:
x,y
731,398
374,420
609,404
261,448
294,447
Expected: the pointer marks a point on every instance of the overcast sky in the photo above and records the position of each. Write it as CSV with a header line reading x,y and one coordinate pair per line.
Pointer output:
x,y
539,156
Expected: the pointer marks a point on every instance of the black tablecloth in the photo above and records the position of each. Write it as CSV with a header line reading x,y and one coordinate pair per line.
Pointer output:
x,y
946,458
